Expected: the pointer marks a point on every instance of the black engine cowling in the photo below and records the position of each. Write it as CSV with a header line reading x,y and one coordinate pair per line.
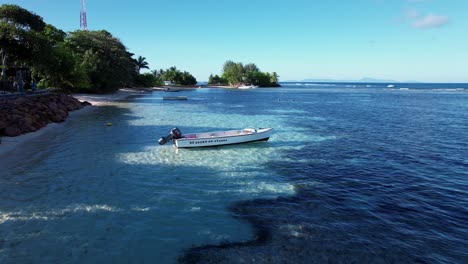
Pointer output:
x,y
175,134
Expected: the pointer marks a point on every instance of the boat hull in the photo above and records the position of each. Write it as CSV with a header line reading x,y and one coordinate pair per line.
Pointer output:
x,y
260,135
247,87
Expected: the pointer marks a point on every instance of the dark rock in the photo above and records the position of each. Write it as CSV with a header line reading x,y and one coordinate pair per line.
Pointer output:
x,y
85,103
3,123
12,131
26,114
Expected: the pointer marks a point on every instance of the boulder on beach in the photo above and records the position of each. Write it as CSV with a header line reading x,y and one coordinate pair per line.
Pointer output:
x,y
22,115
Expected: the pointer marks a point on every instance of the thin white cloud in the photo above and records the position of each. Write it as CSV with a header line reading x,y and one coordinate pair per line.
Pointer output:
x,y
412,14
430,21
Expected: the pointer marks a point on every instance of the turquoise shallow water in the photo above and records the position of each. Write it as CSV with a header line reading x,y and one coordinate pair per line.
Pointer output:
x,y
92,192
358,173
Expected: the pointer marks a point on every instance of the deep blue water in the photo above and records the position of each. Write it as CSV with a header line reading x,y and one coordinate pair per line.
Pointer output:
x,y
357,173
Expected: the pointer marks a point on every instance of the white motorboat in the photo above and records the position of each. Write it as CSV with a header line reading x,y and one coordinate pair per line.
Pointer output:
x,y
217,138
247,87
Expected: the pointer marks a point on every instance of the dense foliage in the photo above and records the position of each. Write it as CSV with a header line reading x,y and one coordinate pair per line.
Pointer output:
x,y
21,40
105,59
92,61
216,80
175,76
236,74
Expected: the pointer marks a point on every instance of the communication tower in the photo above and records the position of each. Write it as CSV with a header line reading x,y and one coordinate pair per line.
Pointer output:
x,y
83,20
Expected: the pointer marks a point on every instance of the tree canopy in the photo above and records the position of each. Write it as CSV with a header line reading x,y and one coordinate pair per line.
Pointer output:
x,y
141,63
237,73
20,17
21,38
175,76
93,61
105,59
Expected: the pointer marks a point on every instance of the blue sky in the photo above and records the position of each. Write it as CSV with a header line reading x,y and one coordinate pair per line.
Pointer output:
x,y
422,40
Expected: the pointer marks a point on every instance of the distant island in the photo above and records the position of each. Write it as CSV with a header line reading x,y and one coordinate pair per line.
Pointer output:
x,y
237,74
362,80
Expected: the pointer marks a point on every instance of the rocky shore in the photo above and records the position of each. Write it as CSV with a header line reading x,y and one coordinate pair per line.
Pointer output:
x,y
22,115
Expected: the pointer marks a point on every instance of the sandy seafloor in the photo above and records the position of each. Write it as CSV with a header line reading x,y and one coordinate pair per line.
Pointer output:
x,y
357,174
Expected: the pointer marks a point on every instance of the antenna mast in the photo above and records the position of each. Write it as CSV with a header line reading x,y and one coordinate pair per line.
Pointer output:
x,y
83,20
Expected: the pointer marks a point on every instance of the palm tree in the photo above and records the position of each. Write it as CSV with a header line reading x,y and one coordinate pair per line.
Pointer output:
x,y
274,77
141,63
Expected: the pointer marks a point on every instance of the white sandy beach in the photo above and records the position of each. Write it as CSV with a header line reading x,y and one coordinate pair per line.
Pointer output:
x,y
8,145
105,99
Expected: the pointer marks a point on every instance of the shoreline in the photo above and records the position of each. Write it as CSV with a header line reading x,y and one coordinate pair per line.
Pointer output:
x,y
105,99
8,145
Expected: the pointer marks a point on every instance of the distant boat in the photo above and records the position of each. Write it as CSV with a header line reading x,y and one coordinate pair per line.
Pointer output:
x,y
390,86
218,138
247,87
175,98
172,89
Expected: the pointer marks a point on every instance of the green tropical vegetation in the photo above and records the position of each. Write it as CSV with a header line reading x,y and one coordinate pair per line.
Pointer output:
x,y
235,74
90,61
175,76
141,63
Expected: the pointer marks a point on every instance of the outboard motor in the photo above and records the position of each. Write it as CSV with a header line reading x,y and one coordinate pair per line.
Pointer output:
x,y
175,134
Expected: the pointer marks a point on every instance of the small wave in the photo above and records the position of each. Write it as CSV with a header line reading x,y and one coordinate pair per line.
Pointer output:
x,y
19,216
264,187
139,209
449,89
313,84
53,214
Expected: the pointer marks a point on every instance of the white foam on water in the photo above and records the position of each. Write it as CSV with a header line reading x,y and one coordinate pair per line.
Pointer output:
x,y
254,187
21,216
449,89
24,215
139,209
